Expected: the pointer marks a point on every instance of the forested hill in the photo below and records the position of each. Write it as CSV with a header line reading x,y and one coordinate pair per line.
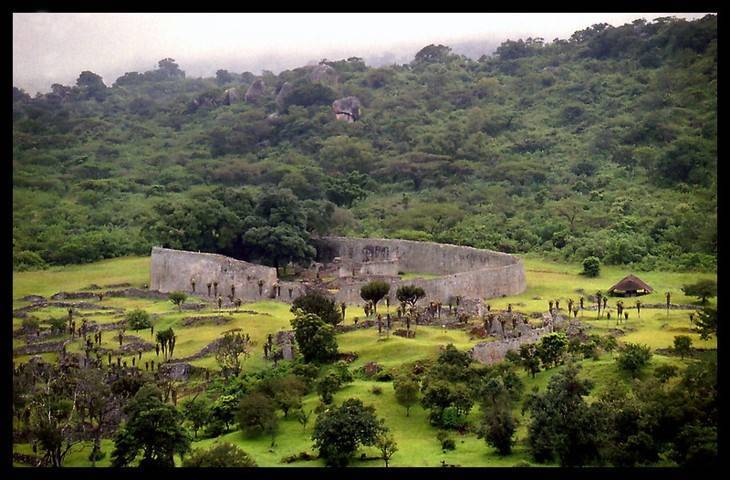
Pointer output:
x,y
603,144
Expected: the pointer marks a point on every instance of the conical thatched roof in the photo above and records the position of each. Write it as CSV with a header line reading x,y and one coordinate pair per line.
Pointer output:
x,y
631,282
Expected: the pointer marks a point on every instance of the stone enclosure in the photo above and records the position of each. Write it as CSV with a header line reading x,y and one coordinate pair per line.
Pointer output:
x,y
343,266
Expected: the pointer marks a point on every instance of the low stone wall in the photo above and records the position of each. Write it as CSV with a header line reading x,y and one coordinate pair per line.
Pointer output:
x,y
173,270
492,352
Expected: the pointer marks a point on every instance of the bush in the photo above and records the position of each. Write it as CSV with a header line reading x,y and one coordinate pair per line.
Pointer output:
x,y
138,319
633,358
58,324
31,324
451,419
27,260
320,305
376,390
591,267
218,456
447,443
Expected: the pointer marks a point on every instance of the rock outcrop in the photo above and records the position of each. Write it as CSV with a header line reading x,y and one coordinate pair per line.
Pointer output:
x,y
324,74
347,109
255,91
231,96
283,92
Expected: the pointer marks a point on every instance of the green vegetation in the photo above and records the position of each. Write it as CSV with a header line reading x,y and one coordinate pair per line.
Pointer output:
x,y
602,145
598,152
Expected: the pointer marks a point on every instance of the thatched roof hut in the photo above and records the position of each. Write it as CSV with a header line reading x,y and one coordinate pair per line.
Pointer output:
x,y
630,286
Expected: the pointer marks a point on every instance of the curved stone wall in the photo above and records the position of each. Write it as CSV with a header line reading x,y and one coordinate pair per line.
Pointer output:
x,y
467,271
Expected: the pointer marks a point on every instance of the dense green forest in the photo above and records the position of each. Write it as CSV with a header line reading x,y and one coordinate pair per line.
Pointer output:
x,y
604,144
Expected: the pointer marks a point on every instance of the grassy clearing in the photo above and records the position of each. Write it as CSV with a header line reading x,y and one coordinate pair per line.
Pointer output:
x,y
416,438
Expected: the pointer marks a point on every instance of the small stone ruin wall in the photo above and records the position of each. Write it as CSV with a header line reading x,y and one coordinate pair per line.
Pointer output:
x,y
172,270
468,272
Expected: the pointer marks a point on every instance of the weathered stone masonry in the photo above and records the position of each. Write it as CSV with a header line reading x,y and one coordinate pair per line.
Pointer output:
x,y
173,270
467,272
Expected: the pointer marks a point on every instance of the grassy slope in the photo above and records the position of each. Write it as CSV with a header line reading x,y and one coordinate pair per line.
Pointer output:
x,y
416,438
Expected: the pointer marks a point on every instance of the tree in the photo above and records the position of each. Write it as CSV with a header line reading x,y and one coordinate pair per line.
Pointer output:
x,y
633,358
703,289
220,455
276,231
432,54
222,414
562,423
327,386
138,319
257,415
166,340
406,392
55,420
316,339
197,412
320,305
101,409
682,345
386,445
551,349
498,428
286,392
591,267
339,431
374,292
442,394
223,76
91,85
231,348
410,294
178,298
529,358
707,322
153,427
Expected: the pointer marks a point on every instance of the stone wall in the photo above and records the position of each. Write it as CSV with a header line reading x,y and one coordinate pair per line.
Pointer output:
x,y
468,272
173,270
493,352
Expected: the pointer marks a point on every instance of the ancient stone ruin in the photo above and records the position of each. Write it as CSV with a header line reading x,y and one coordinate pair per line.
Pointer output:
x,y
343,266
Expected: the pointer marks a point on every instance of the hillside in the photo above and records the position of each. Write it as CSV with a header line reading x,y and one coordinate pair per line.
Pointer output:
x,y
602,145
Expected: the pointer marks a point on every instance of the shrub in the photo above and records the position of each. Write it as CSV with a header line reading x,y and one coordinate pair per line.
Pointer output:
x,y
451,419
31,324
591,267
444,438
320,305
219,455
682,345
138,319
633,358
58,324
376,390
27,260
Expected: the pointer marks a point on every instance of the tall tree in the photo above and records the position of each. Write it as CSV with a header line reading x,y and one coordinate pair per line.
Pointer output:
x,y
153,427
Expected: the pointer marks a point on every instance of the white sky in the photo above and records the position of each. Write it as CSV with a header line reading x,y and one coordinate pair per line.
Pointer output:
x,y
55,47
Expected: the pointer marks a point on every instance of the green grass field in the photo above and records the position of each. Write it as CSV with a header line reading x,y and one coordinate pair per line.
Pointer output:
x,y
416,438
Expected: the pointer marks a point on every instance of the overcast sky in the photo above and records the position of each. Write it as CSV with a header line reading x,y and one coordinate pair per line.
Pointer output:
x,y
55,47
